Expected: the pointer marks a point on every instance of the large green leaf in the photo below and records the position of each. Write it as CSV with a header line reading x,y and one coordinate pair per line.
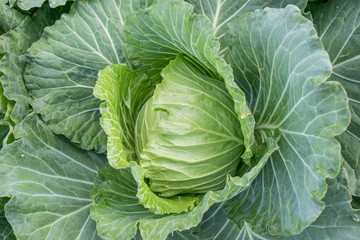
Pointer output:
x,y
28,4
49,180
9,18
338,24
15,43
337,221
64,63
223,12
163,31
280,63
117,209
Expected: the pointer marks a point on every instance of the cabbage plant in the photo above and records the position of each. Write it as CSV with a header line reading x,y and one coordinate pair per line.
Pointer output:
x,y
173,119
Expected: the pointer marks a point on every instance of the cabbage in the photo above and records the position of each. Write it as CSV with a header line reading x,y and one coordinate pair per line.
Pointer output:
x,y
172,119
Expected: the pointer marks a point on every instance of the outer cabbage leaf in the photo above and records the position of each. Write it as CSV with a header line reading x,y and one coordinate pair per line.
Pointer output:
x,y
9,18
337,221
168,28
27,4
49,181
280,63
338,24
223,12
64,63
15,43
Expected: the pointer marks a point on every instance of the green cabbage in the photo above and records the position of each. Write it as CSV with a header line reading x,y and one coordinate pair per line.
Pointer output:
x,y
188,136
173,119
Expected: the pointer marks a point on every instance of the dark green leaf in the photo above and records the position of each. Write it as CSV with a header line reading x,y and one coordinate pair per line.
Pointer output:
x,y
6,232
15,43
223,12
337,221
280,63
9,18
28,4
338,24
49,181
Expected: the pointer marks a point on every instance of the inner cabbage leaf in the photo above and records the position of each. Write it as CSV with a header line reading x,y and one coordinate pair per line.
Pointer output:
x,y
188,136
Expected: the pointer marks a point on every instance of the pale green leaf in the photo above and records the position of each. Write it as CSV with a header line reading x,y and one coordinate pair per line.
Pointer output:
x,y
158,204
64,63
338,24
188,136
49,180
280,63
125,92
